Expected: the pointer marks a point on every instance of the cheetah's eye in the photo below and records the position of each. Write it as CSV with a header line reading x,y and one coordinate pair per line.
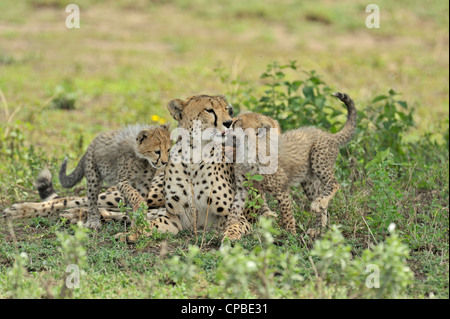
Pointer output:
x,y
209,110
158,152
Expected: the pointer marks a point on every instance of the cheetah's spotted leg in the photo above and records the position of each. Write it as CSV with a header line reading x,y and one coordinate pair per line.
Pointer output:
x,y
233,227
240,218
319,205
74,215
323,186
237,230
44,209
265,210
159,220
251,215
287,217
133,198
239,224
93,180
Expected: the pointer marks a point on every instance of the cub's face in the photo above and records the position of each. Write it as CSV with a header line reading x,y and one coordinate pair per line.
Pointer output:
x,y
255,121
154,145
212,112
253,137
255,126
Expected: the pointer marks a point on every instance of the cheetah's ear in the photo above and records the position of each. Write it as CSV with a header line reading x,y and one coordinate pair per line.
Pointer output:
x,y
265,128
235,121
276,125
166,126
175,108
262,131
142,136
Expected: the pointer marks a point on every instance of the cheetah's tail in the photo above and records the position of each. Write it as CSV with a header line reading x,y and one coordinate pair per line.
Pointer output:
x,y
44,185
344,135
68,181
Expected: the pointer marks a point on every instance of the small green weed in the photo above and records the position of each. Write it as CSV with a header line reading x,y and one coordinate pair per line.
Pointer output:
x,y
380,272
254,199
63,99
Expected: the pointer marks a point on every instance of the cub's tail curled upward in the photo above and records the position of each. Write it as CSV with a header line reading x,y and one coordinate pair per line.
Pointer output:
x,y
44,185
68,181
344,135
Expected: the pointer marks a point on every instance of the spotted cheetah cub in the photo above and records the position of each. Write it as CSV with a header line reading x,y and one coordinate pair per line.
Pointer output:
x,y
127,158
306,156
254,136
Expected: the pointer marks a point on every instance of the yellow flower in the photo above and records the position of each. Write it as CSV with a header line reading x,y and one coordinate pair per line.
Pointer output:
x,y
155,118
162,121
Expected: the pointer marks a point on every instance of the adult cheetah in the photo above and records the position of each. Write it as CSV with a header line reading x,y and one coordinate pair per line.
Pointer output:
x,y
196,189
199,183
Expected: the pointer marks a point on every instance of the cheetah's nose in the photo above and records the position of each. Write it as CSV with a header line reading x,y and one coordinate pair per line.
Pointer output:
x,y
227,124
164,163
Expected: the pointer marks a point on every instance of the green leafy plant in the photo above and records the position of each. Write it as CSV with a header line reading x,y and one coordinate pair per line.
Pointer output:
x,y
380,272
391,259
71,246
295,102
386,198
262,269
385,122
64,99
139,218
254,199
20,282
186,269
73,252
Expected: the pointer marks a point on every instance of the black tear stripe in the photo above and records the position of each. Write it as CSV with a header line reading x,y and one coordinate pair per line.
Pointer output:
x,y
215,118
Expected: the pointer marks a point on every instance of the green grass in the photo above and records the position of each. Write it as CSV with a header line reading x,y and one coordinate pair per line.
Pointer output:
x,y
129,58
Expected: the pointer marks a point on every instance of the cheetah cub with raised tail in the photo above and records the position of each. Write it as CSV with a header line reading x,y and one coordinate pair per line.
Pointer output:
x,y
306,156
127,158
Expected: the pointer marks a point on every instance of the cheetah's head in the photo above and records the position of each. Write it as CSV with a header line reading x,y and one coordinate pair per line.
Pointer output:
x,y
250,129
213,112
154,145
255,121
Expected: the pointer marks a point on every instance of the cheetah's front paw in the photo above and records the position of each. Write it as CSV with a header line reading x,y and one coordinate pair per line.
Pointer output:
x,y
313,233
129,238
93,223
270,214
319,205
232,232
9,212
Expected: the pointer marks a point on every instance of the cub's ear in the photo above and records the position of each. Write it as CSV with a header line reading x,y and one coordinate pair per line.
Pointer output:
x,y
175,108
276,125
236,120
166,126
262,131
142,136
265,128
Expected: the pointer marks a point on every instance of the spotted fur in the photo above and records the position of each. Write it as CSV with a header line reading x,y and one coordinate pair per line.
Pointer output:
x,y
199,195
